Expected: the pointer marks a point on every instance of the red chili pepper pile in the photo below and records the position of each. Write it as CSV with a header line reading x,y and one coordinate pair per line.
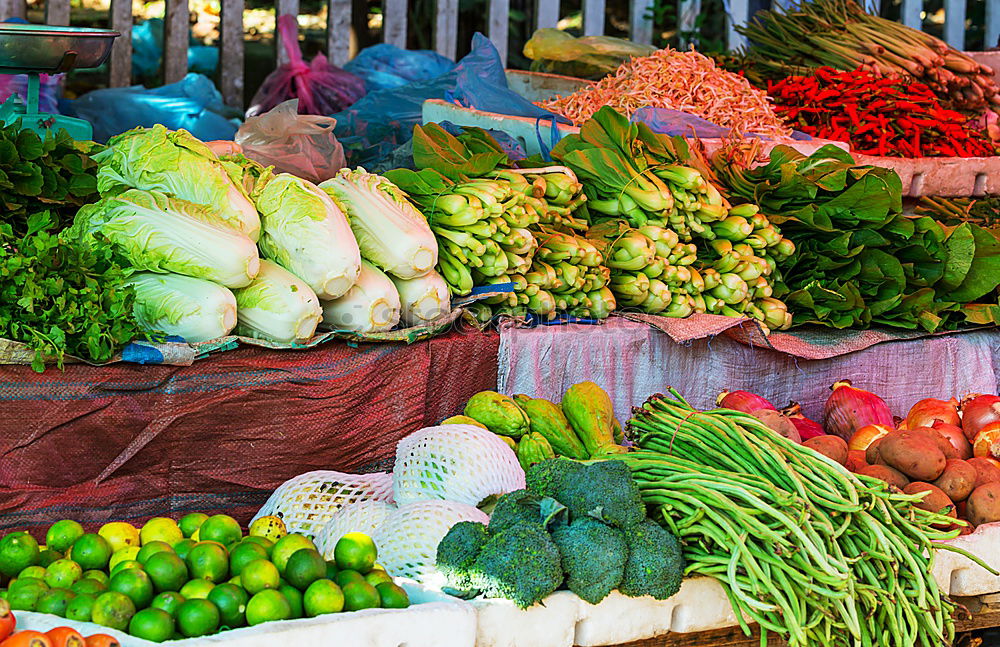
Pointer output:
x,y
877,115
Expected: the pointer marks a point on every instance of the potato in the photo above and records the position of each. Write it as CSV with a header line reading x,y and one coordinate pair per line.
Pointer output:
x,y
935,501
957,480
983,505
987,470
778,423
948,449
833,447
913,454
893,477
856,460
872,454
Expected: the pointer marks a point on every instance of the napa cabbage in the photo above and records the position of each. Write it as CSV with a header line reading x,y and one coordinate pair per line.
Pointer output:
x,y
308,235
390,231
423,299
277,306
371,305
162,234
180,165
194,309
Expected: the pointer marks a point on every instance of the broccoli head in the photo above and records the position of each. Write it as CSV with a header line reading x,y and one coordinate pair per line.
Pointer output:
x,y
593,555
520,564
545,478
457,551
655,564
514,508
604,491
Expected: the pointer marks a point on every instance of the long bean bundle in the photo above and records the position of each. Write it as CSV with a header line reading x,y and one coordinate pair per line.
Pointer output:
x,y
803,547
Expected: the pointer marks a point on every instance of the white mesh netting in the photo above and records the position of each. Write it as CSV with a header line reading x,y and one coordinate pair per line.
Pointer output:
x,y
460,463
407,541
363,516
306,502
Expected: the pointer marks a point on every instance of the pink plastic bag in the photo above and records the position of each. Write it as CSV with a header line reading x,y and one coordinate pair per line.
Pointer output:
x,y
321,88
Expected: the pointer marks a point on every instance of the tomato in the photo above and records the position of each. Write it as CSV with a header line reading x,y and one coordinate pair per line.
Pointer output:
x,y
27,638
102,640
65,637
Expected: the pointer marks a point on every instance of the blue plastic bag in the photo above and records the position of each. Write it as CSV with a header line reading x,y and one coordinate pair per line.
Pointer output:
x,y
192,103
675,122
147,52
386,66
374,126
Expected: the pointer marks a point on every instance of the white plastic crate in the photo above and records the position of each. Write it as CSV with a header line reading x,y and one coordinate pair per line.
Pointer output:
x,y
958,575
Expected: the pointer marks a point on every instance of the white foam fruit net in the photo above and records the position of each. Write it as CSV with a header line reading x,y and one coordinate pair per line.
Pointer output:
x,y
407,541
461,463
306,502
363,516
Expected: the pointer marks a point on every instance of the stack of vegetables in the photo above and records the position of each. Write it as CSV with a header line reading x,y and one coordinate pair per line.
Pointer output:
x,y
859,260
983,211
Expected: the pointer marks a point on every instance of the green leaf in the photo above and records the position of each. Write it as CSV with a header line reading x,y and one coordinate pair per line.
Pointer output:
x,y
961,247
984,273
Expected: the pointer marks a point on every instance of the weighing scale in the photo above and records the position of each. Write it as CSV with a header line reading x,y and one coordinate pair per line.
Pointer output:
x,y
48,49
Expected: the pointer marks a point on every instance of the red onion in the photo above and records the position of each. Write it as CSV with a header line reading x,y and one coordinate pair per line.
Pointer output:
x,y
928,411
956,437
743,401
807,428
848,409
977,412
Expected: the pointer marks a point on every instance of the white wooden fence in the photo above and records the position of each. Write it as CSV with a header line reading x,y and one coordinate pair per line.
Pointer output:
x,y
547,14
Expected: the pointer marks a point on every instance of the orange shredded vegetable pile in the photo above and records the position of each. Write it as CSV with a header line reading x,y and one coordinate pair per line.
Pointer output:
x,y
685,81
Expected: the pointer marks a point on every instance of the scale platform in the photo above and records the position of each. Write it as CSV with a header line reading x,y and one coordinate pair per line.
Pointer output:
x,y
48,49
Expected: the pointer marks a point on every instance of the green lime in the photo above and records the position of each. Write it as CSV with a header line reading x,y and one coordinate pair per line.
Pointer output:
x,y
63,573
80,607
343,578
360,595
3,594
126,565
91,551
331,569
48,556
232,603
294,597
263,542
323,596
355,551
221,528
167,571
238,581
259,575
32,572
55,601
151,548
127,554
190,522
89,587
120,535
18,550
112,609
197,589
208,560
28,582
25,598
183,547
377,576
134,583
62,534
304,567
197,618
94,574
392,596
160,529
286,547
168,601
267,606
243,554
155,625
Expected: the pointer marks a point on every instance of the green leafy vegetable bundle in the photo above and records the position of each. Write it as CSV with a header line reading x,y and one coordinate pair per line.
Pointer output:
x,y
860,261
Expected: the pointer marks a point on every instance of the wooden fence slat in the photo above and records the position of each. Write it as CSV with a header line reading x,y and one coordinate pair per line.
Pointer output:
x,y
954,23
593,17
992,34
910,13
175,40
57,12
546,14
641,21
121,53
394,22
498,26
338,31
284,8
13,9
687,20
739,13
231,53
873,6
446,28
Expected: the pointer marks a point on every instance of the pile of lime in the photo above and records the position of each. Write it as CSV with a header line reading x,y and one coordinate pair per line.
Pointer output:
x,y
171,580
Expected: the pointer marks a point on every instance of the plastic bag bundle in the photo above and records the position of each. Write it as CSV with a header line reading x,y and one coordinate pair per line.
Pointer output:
x,y
306,502
407,541
303,145
461,463
387,66
588,57
363,516
321,88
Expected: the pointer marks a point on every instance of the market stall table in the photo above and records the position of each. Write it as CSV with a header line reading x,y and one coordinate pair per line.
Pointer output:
x,y
129,442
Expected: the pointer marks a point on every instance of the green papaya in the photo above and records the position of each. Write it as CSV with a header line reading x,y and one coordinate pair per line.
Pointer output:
x,y
547,418
591,415
498,412
532,449
463,420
